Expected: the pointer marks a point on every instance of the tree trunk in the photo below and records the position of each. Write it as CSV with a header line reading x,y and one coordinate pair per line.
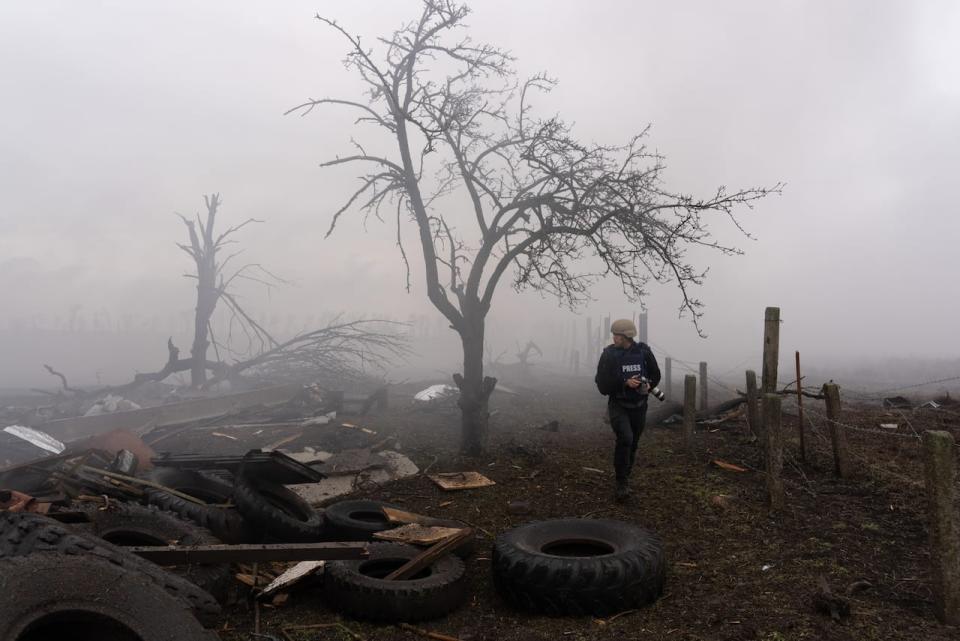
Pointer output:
x,y
206,303
475,389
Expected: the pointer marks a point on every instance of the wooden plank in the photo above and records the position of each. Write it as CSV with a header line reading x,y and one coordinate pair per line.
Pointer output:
x,y
186,555
460,480
427,557
417,534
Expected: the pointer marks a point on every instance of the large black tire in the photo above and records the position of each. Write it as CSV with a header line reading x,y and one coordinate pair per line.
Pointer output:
x,y
579,567
360,519
357,588
49,596
225,523
275,512
25,534
127,524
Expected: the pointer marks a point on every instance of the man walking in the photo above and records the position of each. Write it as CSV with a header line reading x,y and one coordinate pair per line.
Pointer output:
x,y
625,374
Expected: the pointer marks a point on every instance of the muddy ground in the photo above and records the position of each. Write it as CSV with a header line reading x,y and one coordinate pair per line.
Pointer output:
x,y
736,572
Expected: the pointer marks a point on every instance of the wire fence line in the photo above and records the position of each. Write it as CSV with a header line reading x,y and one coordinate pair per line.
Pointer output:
x,y
874,465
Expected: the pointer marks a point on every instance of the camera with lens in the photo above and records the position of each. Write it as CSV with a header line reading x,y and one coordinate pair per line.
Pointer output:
x,y
654,391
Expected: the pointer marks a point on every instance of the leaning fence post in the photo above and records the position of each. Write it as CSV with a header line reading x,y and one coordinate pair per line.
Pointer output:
x,y
773,448
668,377
944,537
841,456
753,412
703,385
689,410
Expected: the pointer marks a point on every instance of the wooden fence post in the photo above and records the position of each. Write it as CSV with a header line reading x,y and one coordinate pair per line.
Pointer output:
x,y
689,410
703,385
772,422
771,353
753,412
668,377
944,537
838,434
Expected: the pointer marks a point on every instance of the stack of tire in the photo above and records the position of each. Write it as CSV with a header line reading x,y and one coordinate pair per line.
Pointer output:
x,y
358,589
61,584
265,511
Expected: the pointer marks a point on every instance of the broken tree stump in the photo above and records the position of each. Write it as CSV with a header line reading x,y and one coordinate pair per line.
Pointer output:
x,y
944,535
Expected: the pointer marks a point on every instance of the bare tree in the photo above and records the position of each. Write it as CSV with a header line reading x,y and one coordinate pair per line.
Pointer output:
x,y
539,199
214,277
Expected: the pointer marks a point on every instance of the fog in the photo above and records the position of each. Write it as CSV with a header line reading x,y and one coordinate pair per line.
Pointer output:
x,y
118,114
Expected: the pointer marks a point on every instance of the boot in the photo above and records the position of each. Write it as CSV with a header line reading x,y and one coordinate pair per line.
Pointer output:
x,y
622,493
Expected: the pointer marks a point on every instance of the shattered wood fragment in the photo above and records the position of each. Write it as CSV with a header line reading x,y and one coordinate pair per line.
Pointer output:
x,y
292,576
730,467
426,558
460,480
283,441
400,516
417,534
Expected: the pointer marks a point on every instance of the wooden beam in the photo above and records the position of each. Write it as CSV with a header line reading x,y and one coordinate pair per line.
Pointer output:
x,y
427,557
186,555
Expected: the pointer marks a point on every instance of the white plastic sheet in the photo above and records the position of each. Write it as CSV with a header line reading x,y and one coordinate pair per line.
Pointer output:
x,y
41,439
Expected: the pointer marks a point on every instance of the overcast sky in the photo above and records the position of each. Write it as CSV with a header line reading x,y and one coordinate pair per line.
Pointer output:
x,y
118,114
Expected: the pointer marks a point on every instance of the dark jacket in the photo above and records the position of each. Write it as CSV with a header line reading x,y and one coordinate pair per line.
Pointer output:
x,y
609,380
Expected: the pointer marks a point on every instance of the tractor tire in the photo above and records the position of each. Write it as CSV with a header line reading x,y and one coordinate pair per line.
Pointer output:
x,y
579,567
49,595
357,588
129,524
26,534
275,512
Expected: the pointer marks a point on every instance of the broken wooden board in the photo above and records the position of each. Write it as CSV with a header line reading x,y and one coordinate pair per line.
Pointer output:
x,y
292,576
417,534
400,516
460,480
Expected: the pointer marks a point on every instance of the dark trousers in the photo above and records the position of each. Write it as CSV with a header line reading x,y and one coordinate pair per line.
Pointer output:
x,y
627,424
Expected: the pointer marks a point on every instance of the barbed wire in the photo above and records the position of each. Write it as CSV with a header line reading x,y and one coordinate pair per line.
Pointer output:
x,y
874,465
855,428
880,395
